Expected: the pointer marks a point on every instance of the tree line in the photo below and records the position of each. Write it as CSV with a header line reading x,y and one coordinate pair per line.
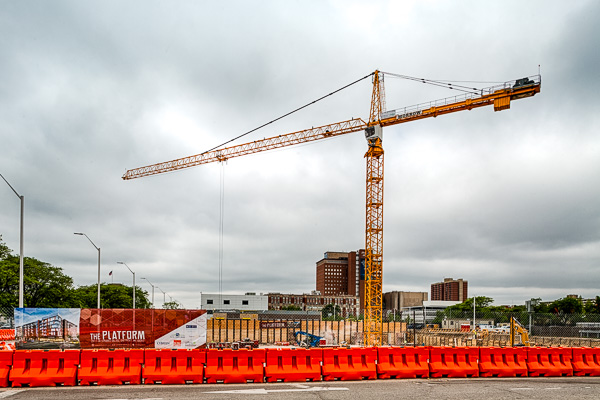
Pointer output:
x,y
47,286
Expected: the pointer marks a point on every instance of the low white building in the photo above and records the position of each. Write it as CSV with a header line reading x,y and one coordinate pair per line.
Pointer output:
x,y
241,302
428,312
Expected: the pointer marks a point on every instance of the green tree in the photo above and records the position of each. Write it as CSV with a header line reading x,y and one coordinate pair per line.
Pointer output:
x,y
111,296
593,307
331,312
567,305
171,305
43,284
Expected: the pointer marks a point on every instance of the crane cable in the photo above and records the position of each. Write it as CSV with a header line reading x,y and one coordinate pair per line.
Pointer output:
x,y
289,113
447,84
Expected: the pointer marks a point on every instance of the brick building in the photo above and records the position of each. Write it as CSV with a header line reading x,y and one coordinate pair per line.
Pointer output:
x,y
349,305
450,290
342,273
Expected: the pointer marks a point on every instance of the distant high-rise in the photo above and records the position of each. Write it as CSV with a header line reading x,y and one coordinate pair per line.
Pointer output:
x,y
450,290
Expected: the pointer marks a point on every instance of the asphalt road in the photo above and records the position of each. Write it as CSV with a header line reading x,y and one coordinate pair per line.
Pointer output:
x,y
580,388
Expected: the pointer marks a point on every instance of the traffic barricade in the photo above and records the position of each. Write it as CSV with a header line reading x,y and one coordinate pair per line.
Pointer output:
x,y
293,365
453,362
7,334
502,361
402,362
586,361
6,361
44,368
549,361
347,364
235,366
111,367
174,366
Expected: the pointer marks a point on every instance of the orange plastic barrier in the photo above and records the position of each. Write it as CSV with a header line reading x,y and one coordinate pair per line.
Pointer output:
x,y
234,366
586,361
349,364
6,361
502,361
453,362
174,367
293,365
402,362
7,334
556,361
111,367
44,368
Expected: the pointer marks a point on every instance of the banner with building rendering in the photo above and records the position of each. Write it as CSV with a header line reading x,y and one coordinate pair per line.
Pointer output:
x,y
45,328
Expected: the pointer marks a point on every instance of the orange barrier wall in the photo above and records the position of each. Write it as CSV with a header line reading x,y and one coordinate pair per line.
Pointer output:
x,y
293,365
402,362
7,334
552,361
502,361
6,361
453,362
349,364
586,361
174,367
111,367
44,368
235,366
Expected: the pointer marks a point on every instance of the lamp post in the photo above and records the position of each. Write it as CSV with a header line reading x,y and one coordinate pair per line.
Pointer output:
x,y
97,248
20,244
121,262
152,291
164,295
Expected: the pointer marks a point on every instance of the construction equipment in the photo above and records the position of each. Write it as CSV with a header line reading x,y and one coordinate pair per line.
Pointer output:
x,y
499,96
309,340
517,329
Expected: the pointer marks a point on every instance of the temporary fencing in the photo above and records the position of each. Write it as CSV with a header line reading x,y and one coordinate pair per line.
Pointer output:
x,y
174,367
235,366
402,362
549,361
44,368
349,364
6,362
293,365
502,361
111,367
586,361
453,362
7,334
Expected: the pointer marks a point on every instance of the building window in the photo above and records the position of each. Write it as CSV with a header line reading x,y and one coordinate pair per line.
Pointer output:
x,y
244,302
209,301
226,302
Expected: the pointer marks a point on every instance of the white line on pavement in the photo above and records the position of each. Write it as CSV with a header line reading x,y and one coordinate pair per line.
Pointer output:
x,y
264,391
9,393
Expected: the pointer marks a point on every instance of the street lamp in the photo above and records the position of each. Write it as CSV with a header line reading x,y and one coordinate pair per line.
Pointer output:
x,y
164,295
152,291
97,248
121,262
20,244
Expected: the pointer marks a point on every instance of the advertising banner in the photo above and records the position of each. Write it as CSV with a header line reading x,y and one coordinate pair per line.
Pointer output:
x,y
109,328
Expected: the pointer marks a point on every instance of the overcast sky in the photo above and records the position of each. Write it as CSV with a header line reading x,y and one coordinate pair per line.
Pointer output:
x,y
509,201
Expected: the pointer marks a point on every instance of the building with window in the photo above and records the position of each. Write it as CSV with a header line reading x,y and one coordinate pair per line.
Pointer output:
x,y
349,305
450,290
342,274
241,302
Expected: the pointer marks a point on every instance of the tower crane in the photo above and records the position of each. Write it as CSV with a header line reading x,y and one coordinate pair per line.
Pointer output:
x,y
500,96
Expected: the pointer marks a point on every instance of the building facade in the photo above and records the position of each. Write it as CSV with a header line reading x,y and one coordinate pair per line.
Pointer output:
x,y
349,305
242,302
450,290
398,300
342,274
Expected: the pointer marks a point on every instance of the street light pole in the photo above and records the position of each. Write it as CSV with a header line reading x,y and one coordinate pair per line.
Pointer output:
x,y
20,243
121,262
152,291
164,295
97,248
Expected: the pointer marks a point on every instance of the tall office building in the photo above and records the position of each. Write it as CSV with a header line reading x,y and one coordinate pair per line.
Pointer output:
x,y
342,273
450,290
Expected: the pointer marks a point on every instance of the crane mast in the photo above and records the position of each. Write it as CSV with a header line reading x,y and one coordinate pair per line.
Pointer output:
x,y
500,96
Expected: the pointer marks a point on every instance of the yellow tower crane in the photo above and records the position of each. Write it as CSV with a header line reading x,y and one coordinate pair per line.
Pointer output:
x,y
500,96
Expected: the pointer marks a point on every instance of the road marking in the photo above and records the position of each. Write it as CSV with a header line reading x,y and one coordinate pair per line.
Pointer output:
x,y
265,391
9,393
522,388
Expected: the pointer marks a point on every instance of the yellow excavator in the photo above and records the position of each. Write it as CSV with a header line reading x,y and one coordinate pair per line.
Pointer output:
x,y
517,329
